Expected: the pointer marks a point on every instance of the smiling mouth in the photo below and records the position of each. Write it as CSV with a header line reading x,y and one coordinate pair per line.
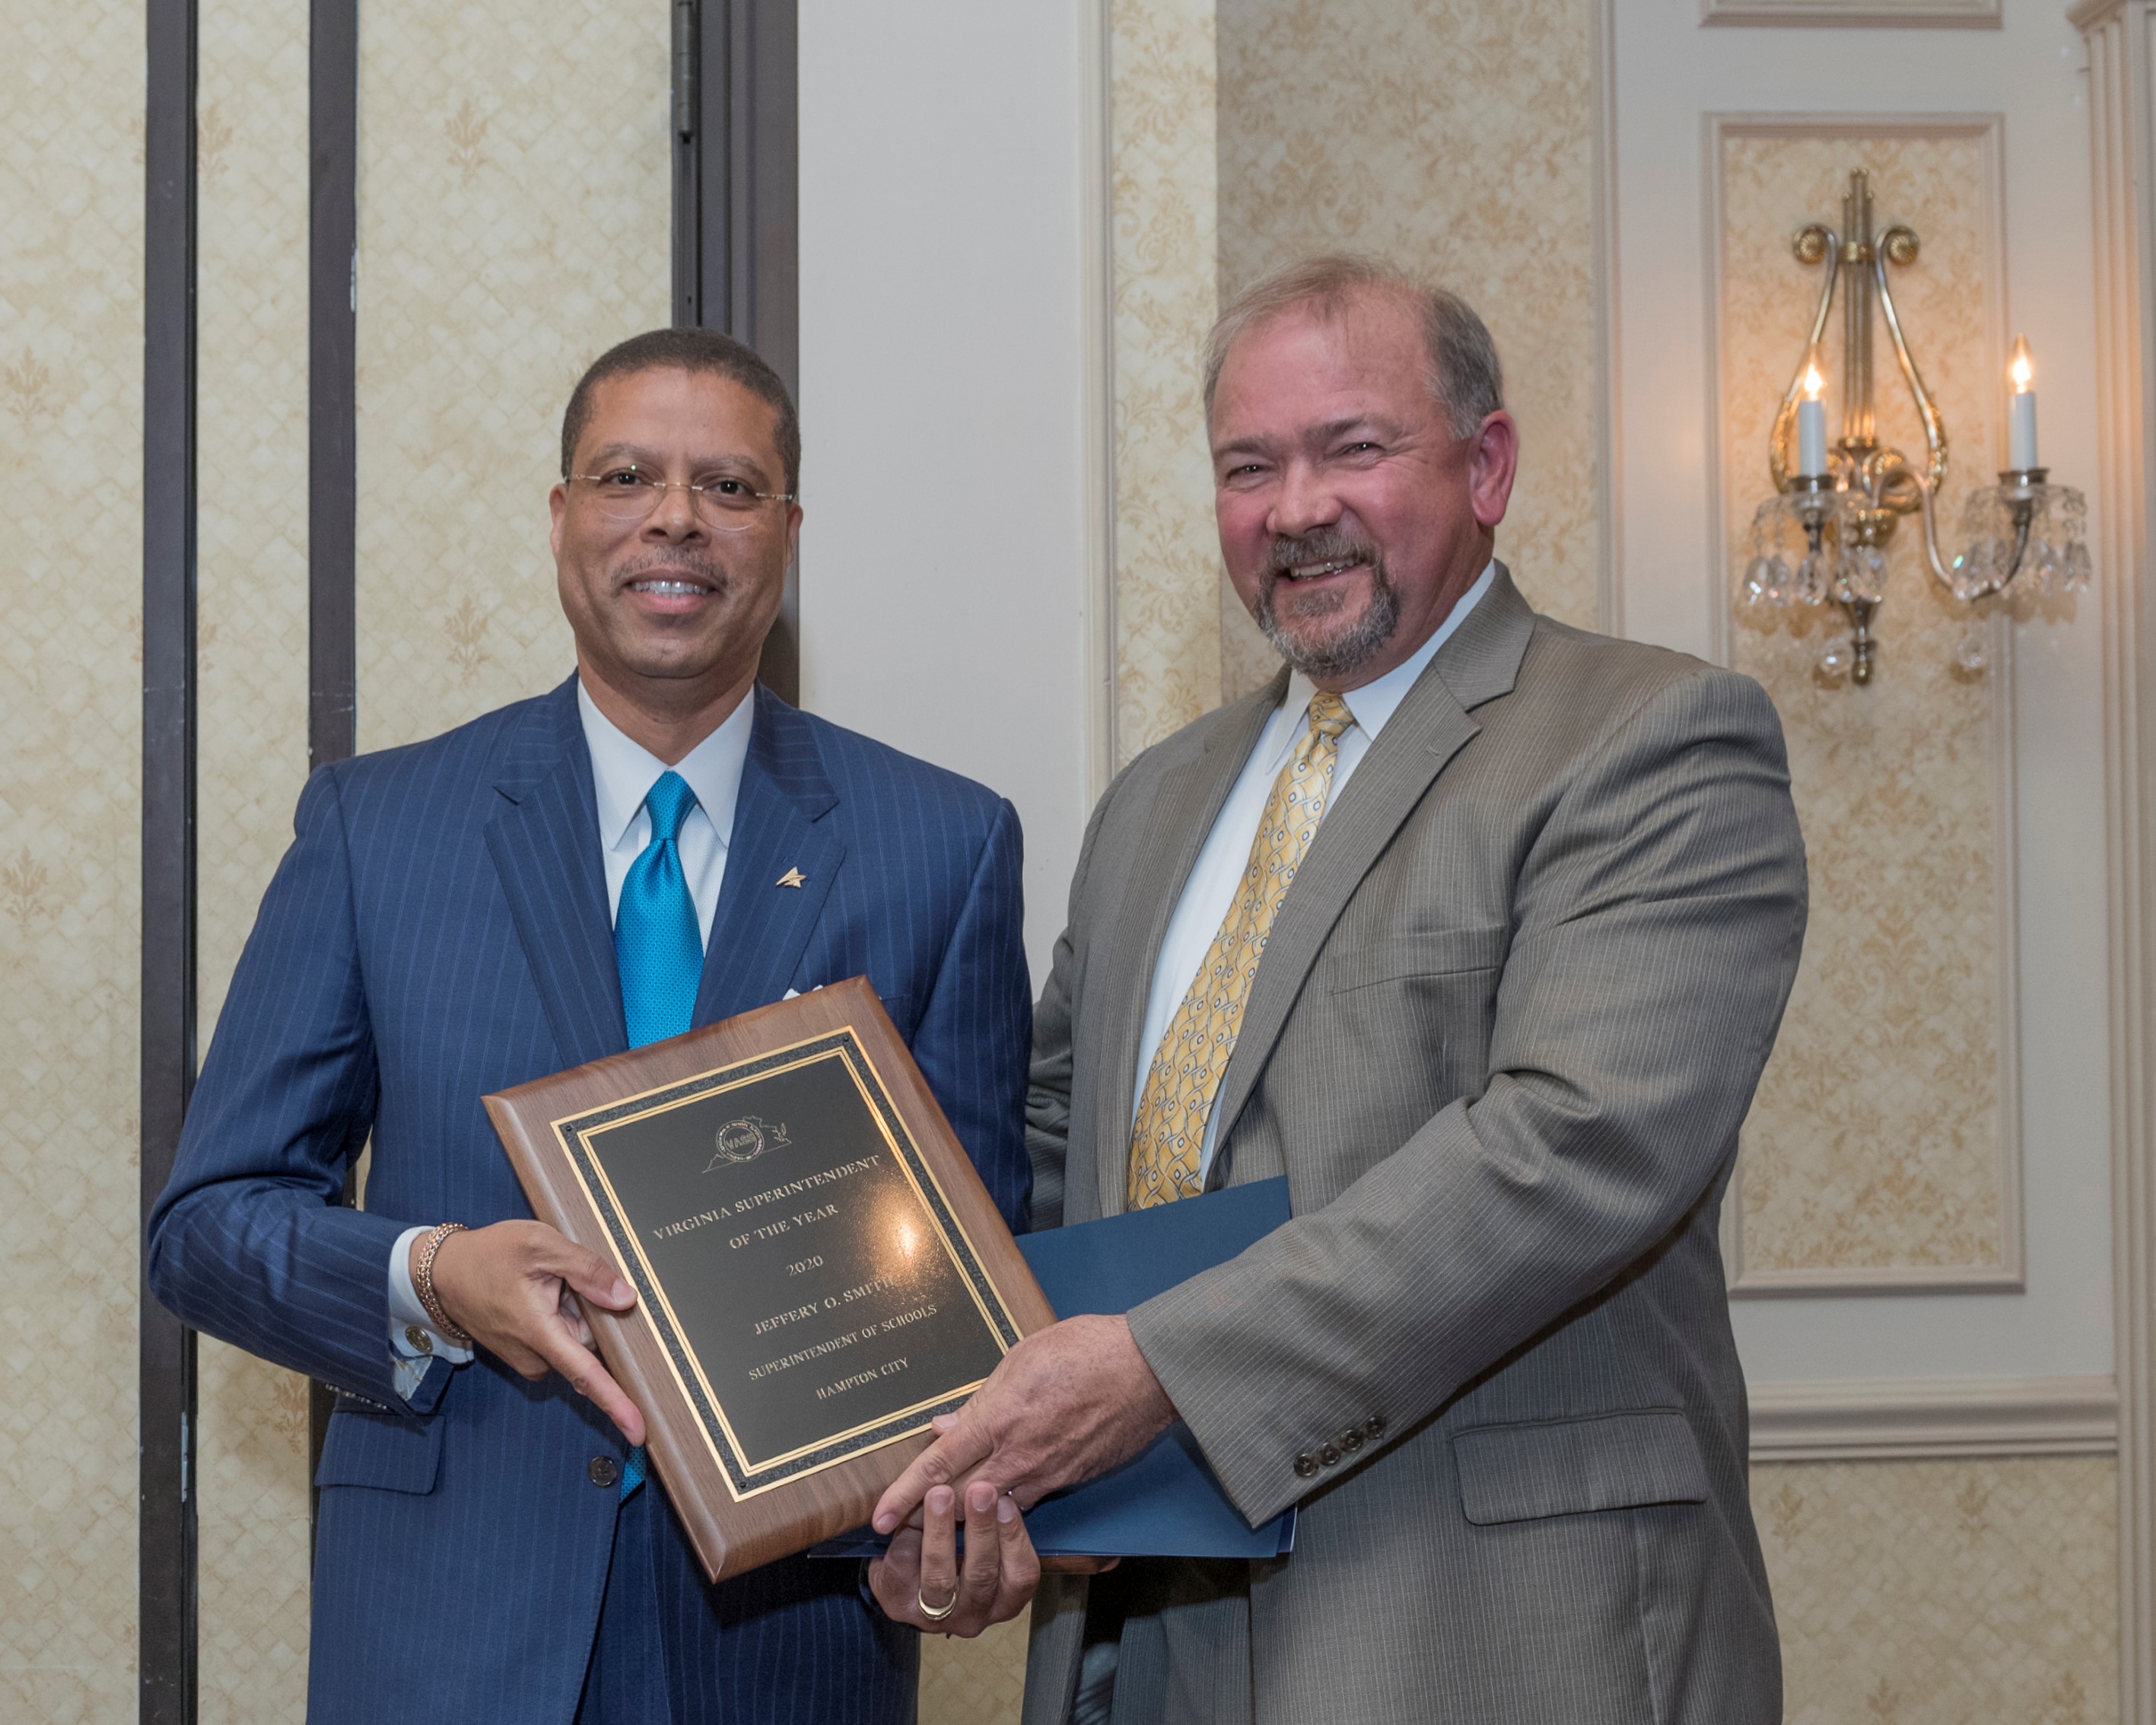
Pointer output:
x,y
667,588
1317,572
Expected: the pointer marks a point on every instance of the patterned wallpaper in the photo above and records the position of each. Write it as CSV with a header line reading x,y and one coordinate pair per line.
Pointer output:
x,y
515,220
1935,1593
1163,188
1457,141
70,753
1875,1142
977,1682
251,659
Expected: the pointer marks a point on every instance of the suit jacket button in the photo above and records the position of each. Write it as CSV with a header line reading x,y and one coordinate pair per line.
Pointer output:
x,y
1374,1426
1329,1454
1351,1440
1306,1464
603,1471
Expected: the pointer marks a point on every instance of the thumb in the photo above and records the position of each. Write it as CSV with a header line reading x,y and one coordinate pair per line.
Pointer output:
x,y
592,1278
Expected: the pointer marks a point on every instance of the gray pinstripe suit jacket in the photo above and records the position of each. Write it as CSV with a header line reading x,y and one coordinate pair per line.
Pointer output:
x,y
1506,1026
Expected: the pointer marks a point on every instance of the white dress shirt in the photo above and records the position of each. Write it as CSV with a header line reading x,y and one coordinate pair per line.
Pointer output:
x,y
1214,878
623,773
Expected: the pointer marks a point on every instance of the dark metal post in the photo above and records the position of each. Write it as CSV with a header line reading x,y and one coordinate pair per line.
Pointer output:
x,y
687,133
737,198
332,428
167,1408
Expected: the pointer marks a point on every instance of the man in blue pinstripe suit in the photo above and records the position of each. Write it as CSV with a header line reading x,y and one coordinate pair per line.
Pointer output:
x,y
657,842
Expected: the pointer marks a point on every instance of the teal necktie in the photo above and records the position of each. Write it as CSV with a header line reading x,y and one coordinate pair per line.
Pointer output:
x,y
659,950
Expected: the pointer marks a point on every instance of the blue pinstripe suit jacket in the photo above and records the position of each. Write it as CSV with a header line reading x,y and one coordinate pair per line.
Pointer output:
x,y
438,930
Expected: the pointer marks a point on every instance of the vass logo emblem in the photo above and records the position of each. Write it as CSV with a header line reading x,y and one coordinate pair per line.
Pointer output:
x,y
747,1139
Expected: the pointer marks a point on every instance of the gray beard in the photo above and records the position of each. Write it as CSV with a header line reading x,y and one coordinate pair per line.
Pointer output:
x,y
1346,651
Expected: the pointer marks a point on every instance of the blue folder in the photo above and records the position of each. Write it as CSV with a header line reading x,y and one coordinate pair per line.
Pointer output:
x,y
1165,1501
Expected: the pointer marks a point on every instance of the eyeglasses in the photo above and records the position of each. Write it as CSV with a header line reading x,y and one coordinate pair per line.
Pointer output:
x,y
628,493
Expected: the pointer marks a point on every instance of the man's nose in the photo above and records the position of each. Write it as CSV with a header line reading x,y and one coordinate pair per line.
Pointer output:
x,y
675,519
1303,503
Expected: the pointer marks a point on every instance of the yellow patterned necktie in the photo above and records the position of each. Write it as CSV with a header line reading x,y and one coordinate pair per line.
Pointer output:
x,y
1185,1074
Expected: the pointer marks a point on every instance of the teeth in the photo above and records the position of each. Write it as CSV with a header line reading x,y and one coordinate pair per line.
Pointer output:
x,y
1303,572
670,589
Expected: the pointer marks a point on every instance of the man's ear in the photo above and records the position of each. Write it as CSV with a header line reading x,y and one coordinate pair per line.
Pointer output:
x,y
557,506
1492,468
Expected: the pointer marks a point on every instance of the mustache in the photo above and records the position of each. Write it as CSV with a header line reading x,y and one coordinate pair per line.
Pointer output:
x,y
1323,544
652,562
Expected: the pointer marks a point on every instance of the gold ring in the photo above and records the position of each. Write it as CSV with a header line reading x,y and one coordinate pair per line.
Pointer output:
x,y
935,1613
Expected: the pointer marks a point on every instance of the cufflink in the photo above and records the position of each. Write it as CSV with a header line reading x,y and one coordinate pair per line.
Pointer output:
x,y
420,1341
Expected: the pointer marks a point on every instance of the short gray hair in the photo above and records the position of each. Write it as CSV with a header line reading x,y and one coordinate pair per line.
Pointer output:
x,y
1465,378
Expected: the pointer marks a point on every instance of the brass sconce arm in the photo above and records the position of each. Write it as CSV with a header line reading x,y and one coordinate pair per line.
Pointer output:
x,y
1815,244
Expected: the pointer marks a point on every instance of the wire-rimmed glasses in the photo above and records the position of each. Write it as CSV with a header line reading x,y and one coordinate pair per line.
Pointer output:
x,y
628,494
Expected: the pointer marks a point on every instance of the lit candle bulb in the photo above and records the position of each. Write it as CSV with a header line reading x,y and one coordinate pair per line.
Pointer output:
x,y
2021,409
1811,426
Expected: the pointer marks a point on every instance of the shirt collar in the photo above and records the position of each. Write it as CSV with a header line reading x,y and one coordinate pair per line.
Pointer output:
x,y
1375,702
623,771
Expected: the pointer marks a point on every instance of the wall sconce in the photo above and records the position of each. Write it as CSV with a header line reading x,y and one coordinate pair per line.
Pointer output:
x,y
1833,510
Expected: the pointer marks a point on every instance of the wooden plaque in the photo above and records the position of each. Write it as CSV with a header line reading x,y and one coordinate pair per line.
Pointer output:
x,y
818,1270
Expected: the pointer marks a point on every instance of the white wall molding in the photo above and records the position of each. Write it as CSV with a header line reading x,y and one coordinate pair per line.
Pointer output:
x,y
2008,1272
1891,14
1097,309
1914,1420
1609,451
2121,38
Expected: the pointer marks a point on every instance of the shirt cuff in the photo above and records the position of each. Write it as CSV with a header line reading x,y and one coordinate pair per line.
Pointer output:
x,y
414,1340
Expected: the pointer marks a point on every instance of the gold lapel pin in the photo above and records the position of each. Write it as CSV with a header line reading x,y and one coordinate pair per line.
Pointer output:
x,y
791,877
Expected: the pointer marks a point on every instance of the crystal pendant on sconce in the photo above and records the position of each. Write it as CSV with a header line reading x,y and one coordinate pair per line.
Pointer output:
x,y
1836,658
1971,656
1784,569
1864,571
2035,536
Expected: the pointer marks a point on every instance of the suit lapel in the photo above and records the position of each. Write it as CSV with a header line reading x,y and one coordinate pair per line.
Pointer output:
x,y
1185,805
779,833
1480,662
545,843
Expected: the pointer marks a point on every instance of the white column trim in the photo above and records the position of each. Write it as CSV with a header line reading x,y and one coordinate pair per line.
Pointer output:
x,y
2122,82
1608,433
1914,1420
1890,14
1097,308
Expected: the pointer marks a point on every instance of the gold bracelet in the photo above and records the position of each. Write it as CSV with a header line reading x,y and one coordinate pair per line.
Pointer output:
x,y
423,1281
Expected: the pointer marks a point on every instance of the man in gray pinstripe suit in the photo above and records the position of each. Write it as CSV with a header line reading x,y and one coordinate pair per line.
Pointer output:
x,y
1479,929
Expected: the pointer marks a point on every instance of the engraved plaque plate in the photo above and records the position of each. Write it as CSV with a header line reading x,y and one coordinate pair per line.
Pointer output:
x,y
794,1256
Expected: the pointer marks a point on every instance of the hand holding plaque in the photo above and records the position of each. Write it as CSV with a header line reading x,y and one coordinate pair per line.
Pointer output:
x,y
819,1272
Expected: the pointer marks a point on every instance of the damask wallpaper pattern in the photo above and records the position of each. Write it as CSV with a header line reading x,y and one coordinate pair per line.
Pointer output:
x,y
1164,193
1935,1593
1875,1142
71,94
515,221
251,423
